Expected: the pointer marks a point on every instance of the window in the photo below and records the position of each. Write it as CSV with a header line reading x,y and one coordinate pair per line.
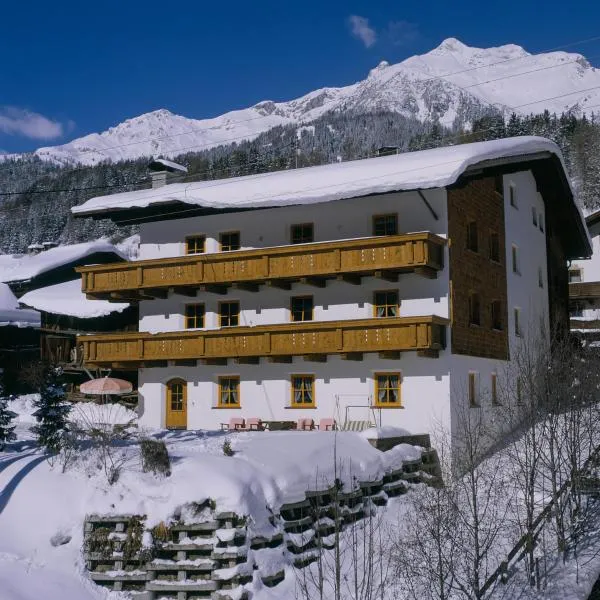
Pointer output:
x,y
387,390
229,392
534,218
195,244
385,304
512,191
302,233
194,316
575,275
229,240
518,331
473,389
497,315
472,241
515,260
301,308
519,391
540,277
474,310
229,314
494,389
176,395
385,224
494,246
576,311
303,391
541,222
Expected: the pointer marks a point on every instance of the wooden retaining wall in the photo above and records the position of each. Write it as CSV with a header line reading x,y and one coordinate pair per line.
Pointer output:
x,y
210,558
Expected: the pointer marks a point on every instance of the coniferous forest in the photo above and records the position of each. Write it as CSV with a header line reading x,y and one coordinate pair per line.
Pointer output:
x,y
37,196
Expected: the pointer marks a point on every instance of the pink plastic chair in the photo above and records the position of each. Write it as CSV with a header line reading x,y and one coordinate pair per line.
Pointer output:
x,y
305,424
235,424
326,424
254,424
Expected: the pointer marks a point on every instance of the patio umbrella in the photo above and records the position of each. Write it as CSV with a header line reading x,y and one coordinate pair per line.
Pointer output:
x,y
106,386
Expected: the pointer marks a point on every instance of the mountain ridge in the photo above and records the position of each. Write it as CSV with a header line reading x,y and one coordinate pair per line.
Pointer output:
x,y
445,85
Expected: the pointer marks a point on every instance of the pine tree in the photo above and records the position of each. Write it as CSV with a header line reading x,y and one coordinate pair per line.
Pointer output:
x,y
52,412
6,416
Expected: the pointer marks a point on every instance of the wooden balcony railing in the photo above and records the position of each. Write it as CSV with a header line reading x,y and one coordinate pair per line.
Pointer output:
x,y
385,256
317,339
585,290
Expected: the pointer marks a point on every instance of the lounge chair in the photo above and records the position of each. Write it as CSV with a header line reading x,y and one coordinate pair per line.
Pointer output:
x,y
327,425
254,424
235,424
305,424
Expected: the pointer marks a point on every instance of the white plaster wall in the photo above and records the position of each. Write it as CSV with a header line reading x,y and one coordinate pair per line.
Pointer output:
x,y
338,220
265,392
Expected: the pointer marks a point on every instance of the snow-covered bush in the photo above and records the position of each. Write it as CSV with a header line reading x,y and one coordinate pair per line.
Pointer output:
x,y
52,413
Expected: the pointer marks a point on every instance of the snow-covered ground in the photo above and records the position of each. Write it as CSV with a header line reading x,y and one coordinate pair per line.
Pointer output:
x,y
41,505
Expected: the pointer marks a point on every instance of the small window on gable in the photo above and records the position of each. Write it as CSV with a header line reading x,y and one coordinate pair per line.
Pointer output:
x,y
540,277
301,308
229,240
512,192
541,222
385,224
302,233
472,238
518,330
474,309
195,244
515,260
472,392
497,317
519,391
534,216
494,247
575,275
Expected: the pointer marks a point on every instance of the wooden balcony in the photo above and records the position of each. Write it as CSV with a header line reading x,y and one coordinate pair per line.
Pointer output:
x,y
313,339
348,260
585,290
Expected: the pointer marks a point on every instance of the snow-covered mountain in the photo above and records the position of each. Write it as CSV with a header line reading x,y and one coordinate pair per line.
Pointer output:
x,y
443,84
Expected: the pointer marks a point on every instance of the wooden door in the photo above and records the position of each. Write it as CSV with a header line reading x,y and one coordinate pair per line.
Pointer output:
x,y
176,404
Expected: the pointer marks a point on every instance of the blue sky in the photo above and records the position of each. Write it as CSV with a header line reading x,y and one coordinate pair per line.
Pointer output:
x,y
71,68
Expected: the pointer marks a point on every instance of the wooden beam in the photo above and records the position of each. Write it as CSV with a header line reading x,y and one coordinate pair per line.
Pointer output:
x,y
153,293
247,287
390,355
427,272
280,359
121,366
351,279
248,360
216,289
315,358
428,353
131,296
277,283
386,276
215,361
352,356
154,363
185,291
314,281
185,363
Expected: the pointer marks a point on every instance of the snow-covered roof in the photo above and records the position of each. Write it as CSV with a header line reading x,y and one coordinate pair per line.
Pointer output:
x,y
424,169
169,164
21,267
68,299
11,314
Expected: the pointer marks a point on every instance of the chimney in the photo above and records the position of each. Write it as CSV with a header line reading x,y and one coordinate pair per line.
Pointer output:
x,y
162,171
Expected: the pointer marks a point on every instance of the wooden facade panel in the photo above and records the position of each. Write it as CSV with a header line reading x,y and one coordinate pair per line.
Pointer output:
x,y
401,252
325,337
584,290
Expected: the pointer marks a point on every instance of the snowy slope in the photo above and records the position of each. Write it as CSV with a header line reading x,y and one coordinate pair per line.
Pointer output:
x,y
443,84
